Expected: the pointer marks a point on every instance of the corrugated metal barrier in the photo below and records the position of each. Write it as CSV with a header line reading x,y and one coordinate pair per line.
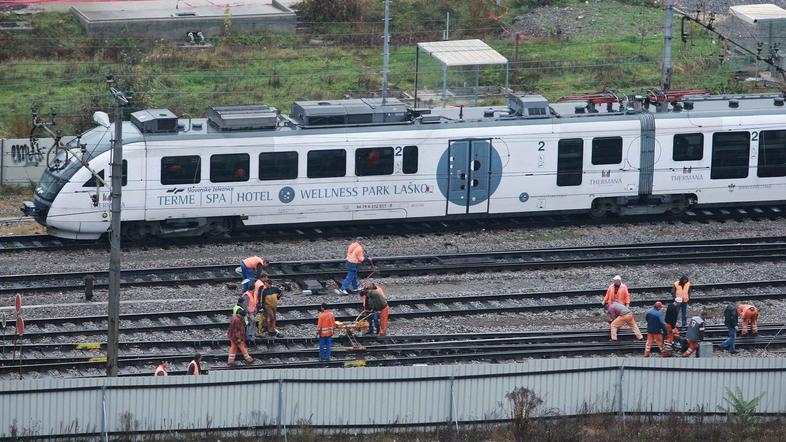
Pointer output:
x,y
373,398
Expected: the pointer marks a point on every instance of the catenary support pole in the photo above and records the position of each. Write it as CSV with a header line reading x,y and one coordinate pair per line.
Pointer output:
x,y
417,72
668,25
114,235
387,52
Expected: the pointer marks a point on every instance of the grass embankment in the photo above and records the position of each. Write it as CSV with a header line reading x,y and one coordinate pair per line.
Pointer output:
x,y
58,66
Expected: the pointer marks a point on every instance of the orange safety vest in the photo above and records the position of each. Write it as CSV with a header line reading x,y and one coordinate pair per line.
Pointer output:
x,y
253,300
325,324
355,253
196,367
682,292
742,308
160,371
252,262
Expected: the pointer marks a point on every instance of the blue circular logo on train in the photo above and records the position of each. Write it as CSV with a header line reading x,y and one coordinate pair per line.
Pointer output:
x,y
469,172
524,197
286,195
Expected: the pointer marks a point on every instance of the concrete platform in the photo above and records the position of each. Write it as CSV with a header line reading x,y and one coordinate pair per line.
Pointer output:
x,y
172,19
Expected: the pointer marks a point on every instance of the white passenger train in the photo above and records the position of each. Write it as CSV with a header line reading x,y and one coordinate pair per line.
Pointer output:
x,y
361,161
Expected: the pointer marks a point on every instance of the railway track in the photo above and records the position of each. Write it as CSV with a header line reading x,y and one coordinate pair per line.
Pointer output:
x,y
136,357
45,242
301,272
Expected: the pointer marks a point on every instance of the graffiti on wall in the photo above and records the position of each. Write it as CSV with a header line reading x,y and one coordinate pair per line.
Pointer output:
x,y
26,155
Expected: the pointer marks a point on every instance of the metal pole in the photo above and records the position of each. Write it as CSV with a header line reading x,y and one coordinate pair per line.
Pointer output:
x,y
417,67
114,238
446,34
516,61
665,82
387,53
444,85
2,159
477,82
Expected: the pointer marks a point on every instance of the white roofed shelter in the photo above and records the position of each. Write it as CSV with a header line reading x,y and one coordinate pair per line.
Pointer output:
x,y
454,53
774,17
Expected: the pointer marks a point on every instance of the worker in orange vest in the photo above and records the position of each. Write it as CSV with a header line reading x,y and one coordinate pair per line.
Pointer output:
x,y
237,338
161,370
325,325
252,307
195,366
252,268
682,289
356,254
749,315
617,292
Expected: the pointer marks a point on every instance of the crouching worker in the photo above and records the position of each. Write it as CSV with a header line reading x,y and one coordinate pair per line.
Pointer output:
x,y
619,316
656,327
749,315
378,305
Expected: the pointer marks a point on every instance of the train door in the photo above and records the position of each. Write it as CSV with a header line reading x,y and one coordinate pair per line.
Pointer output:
x,y
469,176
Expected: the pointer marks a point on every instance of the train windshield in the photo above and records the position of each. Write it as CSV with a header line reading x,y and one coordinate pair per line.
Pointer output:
x,y
97,141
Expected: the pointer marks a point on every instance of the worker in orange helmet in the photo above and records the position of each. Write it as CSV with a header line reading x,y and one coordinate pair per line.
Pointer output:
x,y
237,338
253,268
617,292
356,254
377,304
749,315
161,370
325,325
195,366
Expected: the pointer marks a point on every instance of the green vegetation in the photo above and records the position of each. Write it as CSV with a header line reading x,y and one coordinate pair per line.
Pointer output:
x,y
57,66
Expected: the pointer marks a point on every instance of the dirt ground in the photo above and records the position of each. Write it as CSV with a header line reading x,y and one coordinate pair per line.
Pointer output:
x,y
11,220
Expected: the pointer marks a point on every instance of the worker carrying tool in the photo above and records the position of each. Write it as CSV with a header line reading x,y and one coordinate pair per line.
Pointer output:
x,y
617,292
237,338
749,315
619,316
356,255
672,332
694,333
271,297
682,290
656,328
195,366
253,268
325,325
161,370
377,306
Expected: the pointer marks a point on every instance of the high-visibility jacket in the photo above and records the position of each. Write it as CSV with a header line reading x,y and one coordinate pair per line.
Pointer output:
x,y
236,311
253,300
161,371
742,308
356,253
614,294
326,323
682,291
193,368
252,262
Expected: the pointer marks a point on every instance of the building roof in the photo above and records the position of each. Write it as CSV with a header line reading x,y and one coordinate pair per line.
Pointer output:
x,y
462,52
762,13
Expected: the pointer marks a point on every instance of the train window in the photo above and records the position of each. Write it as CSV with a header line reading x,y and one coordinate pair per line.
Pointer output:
x,y
226,168
327,163
607,150
688,147
374,161
181,170
277,166
570,162
772,153
92,181
730,153
410,162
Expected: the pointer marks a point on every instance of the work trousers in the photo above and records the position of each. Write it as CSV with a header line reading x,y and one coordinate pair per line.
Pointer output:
x,y
351,280
325,347
692,347
383,321
250,335
683,313
621,320
658,338
750,316
729,342
248,275
234,345
270,316
373,323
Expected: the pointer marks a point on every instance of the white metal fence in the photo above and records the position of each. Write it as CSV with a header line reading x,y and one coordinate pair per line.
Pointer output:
x,y
368,399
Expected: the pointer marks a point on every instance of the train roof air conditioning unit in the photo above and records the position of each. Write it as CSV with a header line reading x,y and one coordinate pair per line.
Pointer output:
x,y
243,117
352,112
155,121
535,106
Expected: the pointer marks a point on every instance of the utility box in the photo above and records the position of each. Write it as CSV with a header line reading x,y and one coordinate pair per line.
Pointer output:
x,y
705,350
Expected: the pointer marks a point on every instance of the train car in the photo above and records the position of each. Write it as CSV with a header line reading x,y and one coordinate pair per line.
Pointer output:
x,y
364,160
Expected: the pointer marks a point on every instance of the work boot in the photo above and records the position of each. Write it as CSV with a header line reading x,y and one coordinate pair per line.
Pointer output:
x,y
231,363
647,354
